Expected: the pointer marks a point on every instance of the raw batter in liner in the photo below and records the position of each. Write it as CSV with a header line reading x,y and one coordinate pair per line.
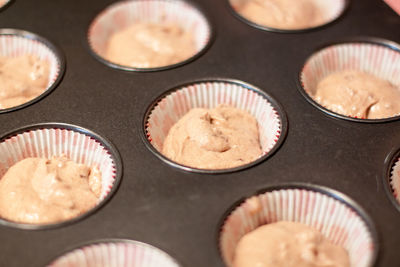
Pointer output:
x,y
358,94
40,191
220,138
281,14
148,45
288,244
22,79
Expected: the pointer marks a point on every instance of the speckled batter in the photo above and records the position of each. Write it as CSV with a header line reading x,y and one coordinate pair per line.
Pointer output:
x,y
358,94
148,45
281,14
40,191
219,138
22,79
288,244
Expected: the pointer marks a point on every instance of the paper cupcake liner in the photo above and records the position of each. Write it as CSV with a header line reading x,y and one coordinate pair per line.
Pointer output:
x,y
169,108
55,139
379,59
330,9
15,43
394,180
118,253
323,209
122,14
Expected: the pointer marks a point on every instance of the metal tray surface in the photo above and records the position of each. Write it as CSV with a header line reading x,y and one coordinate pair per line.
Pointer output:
x,y
178,211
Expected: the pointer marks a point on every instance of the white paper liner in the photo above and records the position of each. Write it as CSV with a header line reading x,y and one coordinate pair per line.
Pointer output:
x,y
395,180
46,143
335,220
18,45
122,14
116,254
375,59
330,10
209,95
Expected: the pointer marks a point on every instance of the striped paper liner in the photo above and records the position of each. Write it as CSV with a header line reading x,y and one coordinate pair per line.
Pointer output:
x,y
209,95
339,223
45,143
395,180
116,254
394,4
329,10
122,14
375,59
15,45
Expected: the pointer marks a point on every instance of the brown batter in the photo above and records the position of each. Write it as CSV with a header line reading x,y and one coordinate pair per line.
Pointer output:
x,y
147,45
40,191
358,94
288,244
22,79
220,138
281,14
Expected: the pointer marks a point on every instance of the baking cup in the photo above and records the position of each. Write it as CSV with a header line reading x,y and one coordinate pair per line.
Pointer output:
x,y
335,215
392,177
375,56
116,253
167,109
331,10
14,43
54,139
122,14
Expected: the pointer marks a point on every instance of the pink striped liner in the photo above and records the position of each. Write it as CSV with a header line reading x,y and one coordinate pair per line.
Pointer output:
x,y
395,180
375,59
330,10
334,219
394,4
15,44
116,254
124,13
45,143
209,95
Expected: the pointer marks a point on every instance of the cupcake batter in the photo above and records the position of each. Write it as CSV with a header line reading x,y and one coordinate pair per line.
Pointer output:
x,y
288,244
220,138
22,79
41,191
148,45
281,14
358,94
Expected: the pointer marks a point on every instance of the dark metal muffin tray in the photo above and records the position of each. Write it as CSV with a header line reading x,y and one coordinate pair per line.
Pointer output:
x,y
177,211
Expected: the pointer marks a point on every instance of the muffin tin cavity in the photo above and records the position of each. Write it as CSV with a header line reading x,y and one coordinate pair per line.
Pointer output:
x,y
168,108
54,139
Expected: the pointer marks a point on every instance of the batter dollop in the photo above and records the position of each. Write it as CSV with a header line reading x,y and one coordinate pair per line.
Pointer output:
x,y
288,244
40,190
149,45
22,79
281,14
358,94
220,138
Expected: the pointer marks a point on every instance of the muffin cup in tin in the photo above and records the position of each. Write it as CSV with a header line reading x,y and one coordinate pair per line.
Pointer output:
x,y
336,216
55,139
124,13
168,108
117,253
332,10
372,55
391,177
14,43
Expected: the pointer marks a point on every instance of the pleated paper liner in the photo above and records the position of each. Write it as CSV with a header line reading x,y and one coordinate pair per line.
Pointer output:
x,y
125,13
116,253
167,109
55,139
335,215
391,177
371,55
330,11
14,43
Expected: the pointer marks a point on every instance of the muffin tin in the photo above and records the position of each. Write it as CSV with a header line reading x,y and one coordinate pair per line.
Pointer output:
x,y
178,211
